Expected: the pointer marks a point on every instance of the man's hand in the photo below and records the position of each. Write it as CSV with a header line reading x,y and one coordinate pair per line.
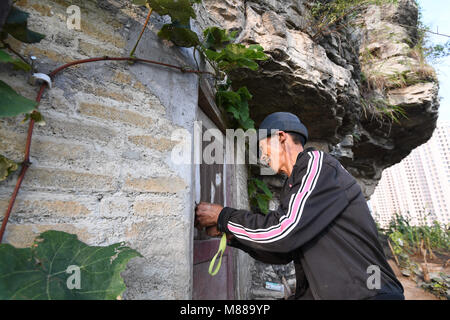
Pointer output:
x,y
213,231
207,214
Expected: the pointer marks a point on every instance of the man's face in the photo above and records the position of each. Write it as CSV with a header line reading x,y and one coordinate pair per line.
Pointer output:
x,y
270,152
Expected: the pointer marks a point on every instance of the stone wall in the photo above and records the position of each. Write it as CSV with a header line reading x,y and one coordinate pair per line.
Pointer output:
x,y
101,164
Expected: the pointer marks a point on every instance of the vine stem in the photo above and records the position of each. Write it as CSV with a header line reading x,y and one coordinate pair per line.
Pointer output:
x,y
25,165
26,162
142,31
106,58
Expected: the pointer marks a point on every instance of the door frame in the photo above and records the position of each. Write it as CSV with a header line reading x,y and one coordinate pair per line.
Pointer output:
x,y
210,246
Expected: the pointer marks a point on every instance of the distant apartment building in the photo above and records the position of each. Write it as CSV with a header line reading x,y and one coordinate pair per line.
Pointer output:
x,y
419,186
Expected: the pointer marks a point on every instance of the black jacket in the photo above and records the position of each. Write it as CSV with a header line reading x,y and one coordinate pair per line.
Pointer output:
x,y
324,225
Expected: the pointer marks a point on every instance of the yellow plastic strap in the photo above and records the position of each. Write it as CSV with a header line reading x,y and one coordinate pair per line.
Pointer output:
x,y
222,247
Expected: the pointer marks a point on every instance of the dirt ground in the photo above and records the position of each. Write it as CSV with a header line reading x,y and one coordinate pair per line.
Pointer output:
x,y
412,291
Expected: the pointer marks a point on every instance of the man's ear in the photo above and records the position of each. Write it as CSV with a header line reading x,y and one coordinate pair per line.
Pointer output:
x,y
282,137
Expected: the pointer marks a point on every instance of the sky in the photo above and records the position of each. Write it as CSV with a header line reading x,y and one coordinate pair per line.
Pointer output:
x,y
435,14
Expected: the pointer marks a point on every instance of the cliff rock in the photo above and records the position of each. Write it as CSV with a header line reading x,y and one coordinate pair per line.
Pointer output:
x,y
364,91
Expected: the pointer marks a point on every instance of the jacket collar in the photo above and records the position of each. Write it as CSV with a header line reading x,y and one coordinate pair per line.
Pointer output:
x,y
302,161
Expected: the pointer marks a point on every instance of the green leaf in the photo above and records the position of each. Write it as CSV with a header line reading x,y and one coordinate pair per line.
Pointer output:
x,y
249,64
236,55
236,103
233,111
244,114
263,204
212,55
40,272
6,167
217,39
36,116
179,10
247,124
244,93
13,104
5,57
228,98
263,186
256,52
261,200
182,37
16,25
251,188
19,64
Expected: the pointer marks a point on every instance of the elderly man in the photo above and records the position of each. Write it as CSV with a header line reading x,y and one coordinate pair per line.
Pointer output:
x,y
323,223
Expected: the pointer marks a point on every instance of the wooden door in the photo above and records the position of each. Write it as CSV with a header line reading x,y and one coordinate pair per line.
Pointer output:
x,y
212,188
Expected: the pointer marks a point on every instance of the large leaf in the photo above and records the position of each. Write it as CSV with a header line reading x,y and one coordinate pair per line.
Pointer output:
x,y
16,25
6,167
180,36
178,10
41,271
13,104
